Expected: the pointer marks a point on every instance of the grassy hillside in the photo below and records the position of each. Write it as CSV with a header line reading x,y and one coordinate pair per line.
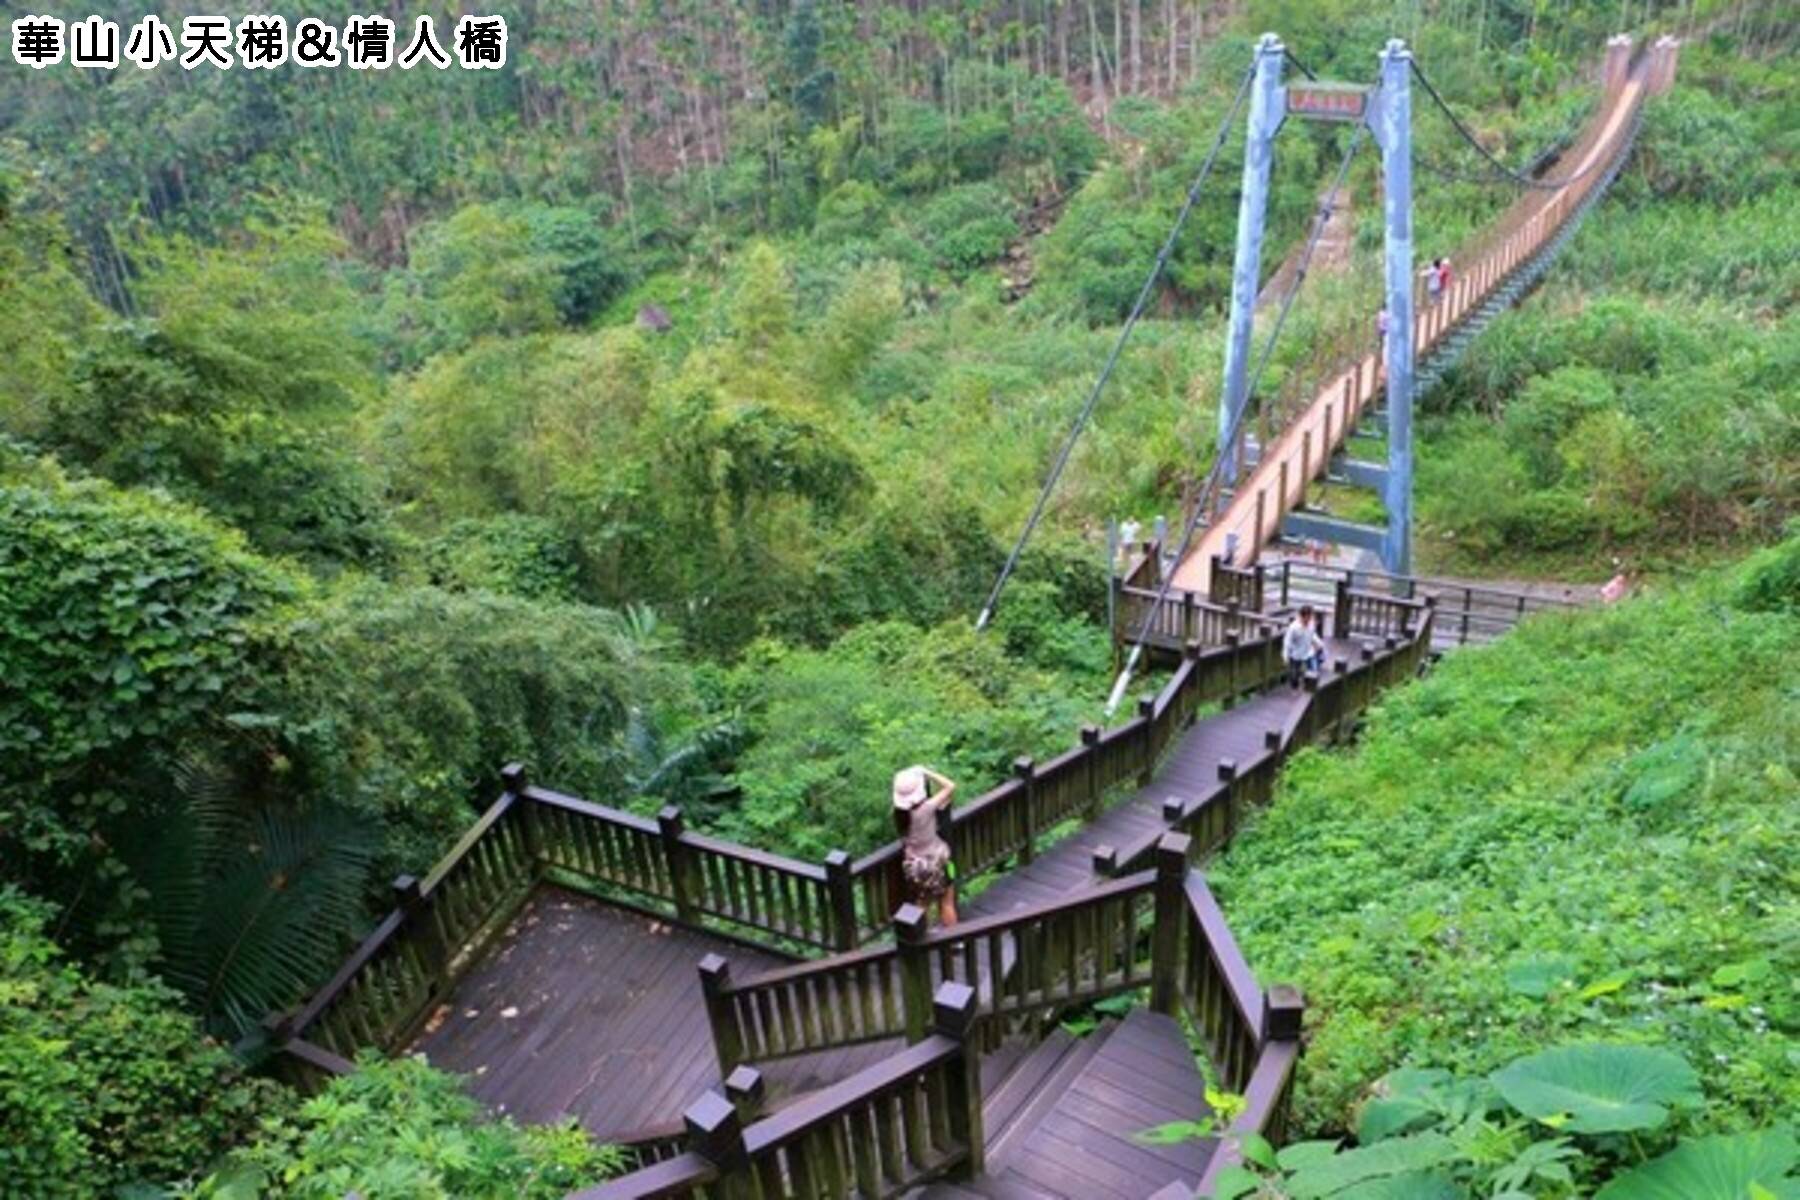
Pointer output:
x,y
1589,831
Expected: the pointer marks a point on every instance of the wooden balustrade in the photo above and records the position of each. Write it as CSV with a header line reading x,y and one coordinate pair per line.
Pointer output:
x,y
1181,617
1369,614
1217,988
914,1117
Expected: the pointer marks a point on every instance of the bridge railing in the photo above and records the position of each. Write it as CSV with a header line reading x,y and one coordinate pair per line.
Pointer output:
x,y
1161,928
381,994
1466,612
1182,616
910,1118
1005,822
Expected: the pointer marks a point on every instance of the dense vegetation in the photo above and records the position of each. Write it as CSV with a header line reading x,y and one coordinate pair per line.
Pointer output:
x,y
1604,848
655,411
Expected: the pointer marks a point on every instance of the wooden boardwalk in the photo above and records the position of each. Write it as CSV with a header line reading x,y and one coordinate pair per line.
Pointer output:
x,y
1191,766
583,1009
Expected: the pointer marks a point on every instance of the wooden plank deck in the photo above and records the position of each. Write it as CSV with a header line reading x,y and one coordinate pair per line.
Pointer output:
x,y
586,1010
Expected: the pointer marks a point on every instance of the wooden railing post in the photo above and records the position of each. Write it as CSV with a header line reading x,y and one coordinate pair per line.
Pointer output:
x,y
1171,901
728,1045
1231,670
1228,776
915,970
1187,612
515,781
1340,615
841,888
1025,770
1146,709
1090,741
680,863
715,1133
436,955
953,1012
1106,862
745,1089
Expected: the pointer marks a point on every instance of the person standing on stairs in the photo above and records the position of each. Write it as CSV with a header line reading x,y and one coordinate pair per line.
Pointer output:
x,y
924,854
1301,645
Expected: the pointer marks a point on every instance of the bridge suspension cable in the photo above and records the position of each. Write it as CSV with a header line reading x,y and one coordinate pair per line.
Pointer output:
x,y
1209,488
1505,173
1112,359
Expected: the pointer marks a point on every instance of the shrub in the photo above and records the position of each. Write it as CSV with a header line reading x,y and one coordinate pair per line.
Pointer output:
x,y
400,1130
131,630
1770,581
103,1086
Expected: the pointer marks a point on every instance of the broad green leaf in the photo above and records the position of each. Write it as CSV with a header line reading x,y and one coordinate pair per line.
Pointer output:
x,y
1733,1167
1234,1182
1173,1133
1257,1149
1415,1152
1599,1088
1537,975
1603,987
1413,1185
1306,1154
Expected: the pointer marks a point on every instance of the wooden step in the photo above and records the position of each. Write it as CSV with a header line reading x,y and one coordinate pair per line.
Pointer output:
x,y
1064,1060
1083,1143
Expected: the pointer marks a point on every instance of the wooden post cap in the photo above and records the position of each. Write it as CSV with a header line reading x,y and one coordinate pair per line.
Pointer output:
x,y
1339,666
668,819
715,972
1368,652
953,1009
406,888
1271,739
745,1086
513,778
713,1129
909,923
1146,706
1172,809
1191,647
1106,861
1310,684
1090,734
1284,1011
1391,641
1228,769
1024,767
1172,853
837,860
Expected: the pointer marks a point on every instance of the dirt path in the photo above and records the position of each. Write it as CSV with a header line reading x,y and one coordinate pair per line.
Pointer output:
x,y
1333,254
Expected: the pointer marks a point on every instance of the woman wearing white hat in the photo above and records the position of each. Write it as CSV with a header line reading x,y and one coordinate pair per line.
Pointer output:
x,y
924,855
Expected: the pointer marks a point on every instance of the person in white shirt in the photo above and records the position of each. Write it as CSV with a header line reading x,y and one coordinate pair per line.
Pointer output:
x,y
1301,644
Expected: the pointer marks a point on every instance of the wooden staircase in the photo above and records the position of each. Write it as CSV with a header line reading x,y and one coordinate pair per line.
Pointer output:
x,y
1063,1125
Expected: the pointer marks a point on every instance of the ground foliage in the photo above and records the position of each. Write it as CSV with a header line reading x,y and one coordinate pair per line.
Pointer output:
x,y
1585,831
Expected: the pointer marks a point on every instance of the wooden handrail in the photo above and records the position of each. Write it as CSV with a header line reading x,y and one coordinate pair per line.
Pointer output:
x,y
913,1116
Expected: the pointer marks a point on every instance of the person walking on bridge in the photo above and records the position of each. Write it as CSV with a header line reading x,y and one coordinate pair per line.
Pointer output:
x,y
1301,645
924,854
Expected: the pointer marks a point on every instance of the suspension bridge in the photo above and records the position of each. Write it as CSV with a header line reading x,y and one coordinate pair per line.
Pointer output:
x,y
750,1025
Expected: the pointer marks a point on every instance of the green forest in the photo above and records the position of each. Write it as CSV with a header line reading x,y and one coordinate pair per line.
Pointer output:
x,y
657,412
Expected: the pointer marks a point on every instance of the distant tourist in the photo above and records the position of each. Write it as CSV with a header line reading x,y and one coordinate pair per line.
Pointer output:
x,y
1434,280
1381,329
1301,645
924,854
